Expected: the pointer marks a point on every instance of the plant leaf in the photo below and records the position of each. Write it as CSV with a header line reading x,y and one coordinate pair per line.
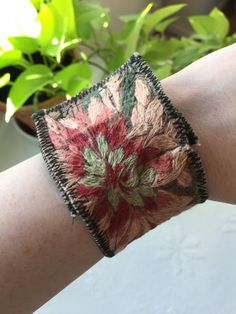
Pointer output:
x,y
132,39
222,23
160,14
25,44
163,71
26,84
129,18
13,57
49,37
69,45
58,27
37,3
159,49
203,25
77,85
162,26
66,11
187,55
5,79
71,78
86,12
123,34
116,60
214,24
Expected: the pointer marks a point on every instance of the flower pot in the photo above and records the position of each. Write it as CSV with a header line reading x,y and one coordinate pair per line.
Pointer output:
x,y
23,130
22,118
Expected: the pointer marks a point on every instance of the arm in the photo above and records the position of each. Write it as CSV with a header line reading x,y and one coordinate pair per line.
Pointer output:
x,y
42,252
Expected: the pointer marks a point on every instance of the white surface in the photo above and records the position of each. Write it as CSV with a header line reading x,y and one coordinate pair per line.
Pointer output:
x,y
184,266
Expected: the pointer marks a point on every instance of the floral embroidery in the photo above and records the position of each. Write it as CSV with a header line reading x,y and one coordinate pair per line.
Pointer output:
x,y
117,170
121,158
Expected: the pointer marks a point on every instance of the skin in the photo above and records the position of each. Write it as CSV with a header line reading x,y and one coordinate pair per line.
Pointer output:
x,y
42,252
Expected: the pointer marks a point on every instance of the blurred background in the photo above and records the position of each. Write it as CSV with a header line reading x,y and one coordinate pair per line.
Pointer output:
x,y
51,50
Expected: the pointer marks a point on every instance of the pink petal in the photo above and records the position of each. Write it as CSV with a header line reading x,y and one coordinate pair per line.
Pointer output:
x,y
168,166
97,111
79,121
113,88
138,114
142,92
57,133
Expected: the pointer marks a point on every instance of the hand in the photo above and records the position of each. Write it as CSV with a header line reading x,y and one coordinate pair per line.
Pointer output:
x,y
205,92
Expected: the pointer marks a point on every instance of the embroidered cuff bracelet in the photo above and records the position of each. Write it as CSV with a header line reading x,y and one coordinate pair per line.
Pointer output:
x,y
121,156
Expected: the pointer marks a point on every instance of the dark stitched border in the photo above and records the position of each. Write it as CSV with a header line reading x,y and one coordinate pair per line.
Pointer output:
x,y
185,133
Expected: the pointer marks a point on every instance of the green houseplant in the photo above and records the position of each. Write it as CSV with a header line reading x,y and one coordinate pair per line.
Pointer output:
x,y
75,38
38,71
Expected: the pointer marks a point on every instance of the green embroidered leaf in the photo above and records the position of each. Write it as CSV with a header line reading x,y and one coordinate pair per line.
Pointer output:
x,y
146,191
113,197
92,181
130,161
102,145
134,199
147,176
90,156
98,169
133,179
116,156
94,164
128,92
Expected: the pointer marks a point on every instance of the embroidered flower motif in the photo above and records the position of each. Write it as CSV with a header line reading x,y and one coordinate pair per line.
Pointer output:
x,y
116,174
127,169
120,155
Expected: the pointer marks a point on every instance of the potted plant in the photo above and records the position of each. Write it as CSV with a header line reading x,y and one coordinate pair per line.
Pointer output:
x,y
75,38
38,72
